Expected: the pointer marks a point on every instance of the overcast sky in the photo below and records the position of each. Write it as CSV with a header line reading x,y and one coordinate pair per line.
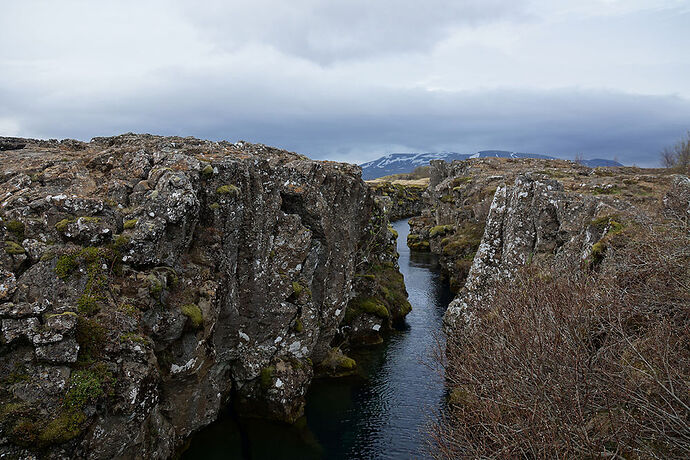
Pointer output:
x,y
351,80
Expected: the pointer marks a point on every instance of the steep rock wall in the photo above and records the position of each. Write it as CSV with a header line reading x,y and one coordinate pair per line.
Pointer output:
x,y
147,282
401,198
557,195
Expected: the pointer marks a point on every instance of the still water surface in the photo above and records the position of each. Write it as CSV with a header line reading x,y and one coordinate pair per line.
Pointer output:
x,y
378,414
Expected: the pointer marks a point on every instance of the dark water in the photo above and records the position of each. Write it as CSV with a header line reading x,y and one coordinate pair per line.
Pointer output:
x,y
378,414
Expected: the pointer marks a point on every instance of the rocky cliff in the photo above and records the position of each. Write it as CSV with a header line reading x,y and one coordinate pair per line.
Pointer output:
x,y
569,333
147,282
486,218
401,198
524,209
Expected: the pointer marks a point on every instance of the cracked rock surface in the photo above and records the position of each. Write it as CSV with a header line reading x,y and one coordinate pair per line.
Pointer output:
x,y
147,282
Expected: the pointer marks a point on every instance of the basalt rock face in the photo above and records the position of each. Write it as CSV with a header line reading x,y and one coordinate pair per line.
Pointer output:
x,y
147,282
459,214
532,221
401,198
489,217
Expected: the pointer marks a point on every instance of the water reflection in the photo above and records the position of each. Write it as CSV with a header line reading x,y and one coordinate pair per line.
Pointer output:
x,y
379,413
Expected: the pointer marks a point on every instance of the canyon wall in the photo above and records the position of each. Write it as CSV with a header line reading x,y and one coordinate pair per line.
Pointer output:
x,y
486,218
147,282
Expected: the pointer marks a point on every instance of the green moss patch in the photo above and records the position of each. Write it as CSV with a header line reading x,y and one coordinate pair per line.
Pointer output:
x,y
266,377
67,426
63,224
193,312
130,224
613,229
417,243
370,305
155,286
91,336
464,242
13,248
86,387
207,171
16,229
229,190
440,230
606,190
337,364
460,181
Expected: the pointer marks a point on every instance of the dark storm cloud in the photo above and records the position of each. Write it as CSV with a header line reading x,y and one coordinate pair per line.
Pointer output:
x,y
563,123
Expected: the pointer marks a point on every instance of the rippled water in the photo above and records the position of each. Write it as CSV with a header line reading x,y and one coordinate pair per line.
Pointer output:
x,y
378,414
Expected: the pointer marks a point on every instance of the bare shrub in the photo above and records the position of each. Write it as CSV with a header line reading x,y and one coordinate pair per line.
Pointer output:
x,y
420,172
595,364
678,156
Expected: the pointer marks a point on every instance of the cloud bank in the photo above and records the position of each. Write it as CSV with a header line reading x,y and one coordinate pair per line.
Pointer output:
x,y
352,80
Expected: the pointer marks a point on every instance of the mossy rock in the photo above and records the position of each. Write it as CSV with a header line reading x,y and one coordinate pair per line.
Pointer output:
x,y
64,223
417,243
65,265
297,288
609,223
214,206
461,180
85,387
193,312
229,190
598,253
155,286
13,248
464,243
419,246
266,377
120,242
130,224
88,305
361,305
135,338
16,228
91,337
63,428
440,230
606,190
207,171
337,364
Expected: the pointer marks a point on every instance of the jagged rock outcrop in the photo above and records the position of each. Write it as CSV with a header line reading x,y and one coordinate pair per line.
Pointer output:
x,y
147,282
487,218
532,221
461,193
401,198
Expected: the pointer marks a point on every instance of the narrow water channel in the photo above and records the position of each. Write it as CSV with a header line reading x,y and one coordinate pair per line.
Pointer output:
x,y
378,414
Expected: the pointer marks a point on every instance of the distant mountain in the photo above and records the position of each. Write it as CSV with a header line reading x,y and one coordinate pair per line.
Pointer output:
x,y
400,163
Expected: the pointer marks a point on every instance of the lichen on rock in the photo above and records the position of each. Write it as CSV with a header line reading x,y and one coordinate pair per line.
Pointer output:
x,y
162,278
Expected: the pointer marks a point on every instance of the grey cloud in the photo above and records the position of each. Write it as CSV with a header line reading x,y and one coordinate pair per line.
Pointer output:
x,y
564,123
241,70
330,31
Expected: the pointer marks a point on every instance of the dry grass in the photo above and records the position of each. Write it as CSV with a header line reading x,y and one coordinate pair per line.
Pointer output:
x,y
588,365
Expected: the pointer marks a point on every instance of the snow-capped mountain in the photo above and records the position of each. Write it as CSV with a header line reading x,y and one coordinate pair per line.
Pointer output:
x,y
398,163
